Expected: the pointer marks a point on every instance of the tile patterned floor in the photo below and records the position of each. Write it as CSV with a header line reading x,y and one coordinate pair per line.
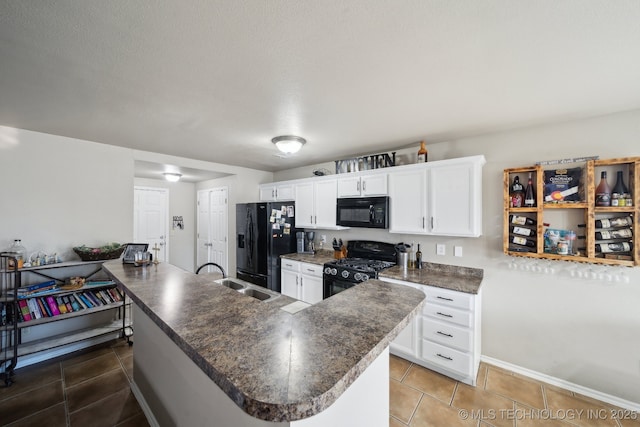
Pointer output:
x,y
87,388
420,397
92,388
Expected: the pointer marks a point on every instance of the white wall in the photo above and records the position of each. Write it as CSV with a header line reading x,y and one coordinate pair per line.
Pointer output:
x,y
59,192
182,202
583,331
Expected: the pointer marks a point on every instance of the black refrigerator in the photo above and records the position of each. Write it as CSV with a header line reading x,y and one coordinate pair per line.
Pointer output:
x,y
264,232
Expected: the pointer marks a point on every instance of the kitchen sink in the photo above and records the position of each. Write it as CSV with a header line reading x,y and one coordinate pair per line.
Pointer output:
x,y
231,284
248,289
259,295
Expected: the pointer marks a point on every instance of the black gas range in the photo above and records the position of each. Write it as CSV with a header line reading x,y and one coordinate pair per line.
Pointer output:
x,y
366,259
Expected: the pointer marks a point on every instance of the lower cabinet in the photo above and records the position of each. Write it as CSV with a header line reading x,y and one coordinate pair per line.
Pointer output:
x,y
301,280
445,336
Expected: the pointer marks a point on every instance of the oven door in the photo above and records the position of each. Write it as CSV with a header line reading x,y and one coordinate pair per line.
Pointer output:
x,y
333,285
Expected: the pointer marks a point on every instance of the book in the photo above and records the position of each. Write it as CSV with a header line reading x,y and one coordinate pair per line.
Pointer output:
x,y
114,294
100,283
106,296
37,286
53,306
43,307
97,297
40,292
78,302
33,307
61,306
67,303
89,303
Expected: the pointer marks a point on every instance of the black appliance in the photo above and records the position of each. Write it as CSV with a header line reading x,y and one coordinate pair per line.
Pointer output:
x,y
367,212
366,259
264,232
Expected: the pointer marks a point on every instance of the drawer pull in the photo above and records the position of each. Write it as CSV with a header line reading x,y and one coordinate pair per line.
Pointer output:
x,y
311,270
443,298
446,335
444,357
443,314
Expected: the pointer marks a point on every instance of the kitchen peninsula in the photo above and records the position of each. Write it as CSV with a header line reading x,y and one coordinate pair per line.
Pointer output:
x,y
205,354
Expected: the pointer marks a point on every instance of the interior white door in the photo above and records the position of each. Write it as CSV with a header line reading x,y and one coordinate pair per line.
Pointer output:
x,y
212,236
151,219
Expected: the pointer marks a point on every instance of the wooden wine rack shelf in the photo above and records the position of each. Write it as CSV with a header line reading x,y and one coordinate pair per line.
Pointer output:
x,y
590,213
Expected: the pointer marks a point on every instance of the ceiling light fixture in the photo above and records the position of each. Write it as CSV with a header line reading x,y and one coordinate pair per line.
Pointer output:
x,y
172,177
289,144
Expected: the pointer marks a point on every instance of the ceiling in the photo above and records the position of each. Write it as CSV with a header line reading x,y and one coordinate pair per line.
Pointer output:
x,y
216,80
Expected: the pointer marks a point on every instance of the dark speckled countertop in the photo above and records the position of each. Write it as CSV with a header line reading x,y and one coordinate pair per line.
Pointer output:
x,y
461,279
275,365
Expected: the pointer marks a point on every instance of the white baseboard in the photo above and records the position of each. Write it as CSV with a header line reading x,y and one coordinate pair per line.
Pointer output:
x,y
585,391
143,404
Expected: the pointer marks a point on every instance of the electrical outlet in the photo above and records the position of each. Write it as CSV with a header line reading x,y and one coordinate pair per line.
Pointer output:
x,y
323,238
440,249
457,251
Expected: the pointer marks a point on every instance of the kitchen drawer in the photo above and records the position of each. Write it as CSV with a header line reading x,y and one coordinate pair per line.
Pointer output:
x,y
449,335
448,358
287,264
311,269
452,315
449,298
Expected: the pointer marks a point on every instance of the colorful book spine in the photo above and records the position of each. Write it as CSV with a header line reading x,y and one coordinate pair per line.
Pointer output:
x,y
67,303
53,306
43,307
35,310
86,301
61,306
80,302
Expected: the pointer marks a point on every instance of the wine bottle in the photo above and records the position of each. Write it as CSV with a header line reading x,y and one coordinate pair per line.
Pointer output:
x,y
613,247
622,221
529,197
422,153
418,257
618,233
517,193
603,191
521,220
523,241
522,231
412,257
619,192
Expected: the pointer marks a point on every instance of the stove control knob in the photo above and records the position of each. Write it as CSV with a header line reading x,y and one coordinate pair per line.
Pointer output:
x,y
327,270
358,276
345,274
334,271
365,277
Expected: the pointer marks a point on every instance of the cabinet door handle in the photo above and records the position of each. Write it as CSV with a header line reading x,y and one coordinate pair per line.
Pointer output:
x,y
311,270
443,314
273,193
432,223
443,298
358,186
422,222
444,357
316,219
311,219
276,193
446,335
364,185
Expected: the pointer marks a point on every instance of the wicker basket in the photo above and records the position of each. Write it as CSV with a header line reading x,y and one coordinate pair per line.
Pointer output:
x,y
97,254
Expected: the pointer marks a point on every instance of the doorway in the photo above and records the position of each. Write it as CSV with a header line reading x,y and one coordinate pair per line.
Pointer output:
x,y
213,228
151,220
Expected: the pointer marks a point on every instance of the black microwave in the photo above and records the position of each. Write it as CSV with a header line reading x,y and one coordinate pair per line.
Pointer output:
x,y
366,212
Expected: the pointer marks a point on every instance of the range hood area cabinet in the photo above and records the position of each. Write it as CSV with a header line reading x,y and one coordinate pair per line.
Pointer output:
x,y
441,198
363,184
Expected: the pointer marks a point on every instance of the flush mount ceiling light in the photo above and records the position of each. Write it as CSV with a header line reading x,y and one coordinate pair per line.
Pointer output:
x,y
172,177
289,144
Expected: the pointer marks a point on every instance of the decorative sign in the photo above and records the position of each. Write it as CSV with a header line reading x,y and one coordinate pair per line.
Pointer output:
x,y
178,223
371,161
564,161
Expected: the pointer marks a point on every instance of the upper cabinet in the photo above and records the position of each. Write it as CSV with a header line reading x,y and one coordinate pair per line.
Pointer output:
x,y
363,185
277,191
441,198
316,203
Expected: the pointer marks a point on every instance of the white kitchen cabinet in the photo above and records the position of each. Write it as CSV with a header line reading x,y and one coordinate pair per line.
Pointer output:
x,y
438,198
445,336
316,203
301,280
363,185
272,192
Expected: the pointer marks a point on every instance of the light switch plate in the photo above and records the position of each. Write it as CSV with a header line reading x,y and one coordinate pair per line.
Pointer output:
x,y
457,251
440,249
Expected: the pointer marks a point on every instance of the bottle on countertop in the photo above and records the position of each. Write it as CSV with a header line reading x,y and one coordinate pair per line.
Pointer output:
x,y
422,153
418,257
517,193
620,192
603,191
622,221
529,196
412,257
521,220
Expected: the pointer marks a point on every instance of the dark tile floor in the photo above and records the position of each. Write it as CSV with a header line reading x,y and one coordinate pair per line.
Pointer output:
x,y
86,388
